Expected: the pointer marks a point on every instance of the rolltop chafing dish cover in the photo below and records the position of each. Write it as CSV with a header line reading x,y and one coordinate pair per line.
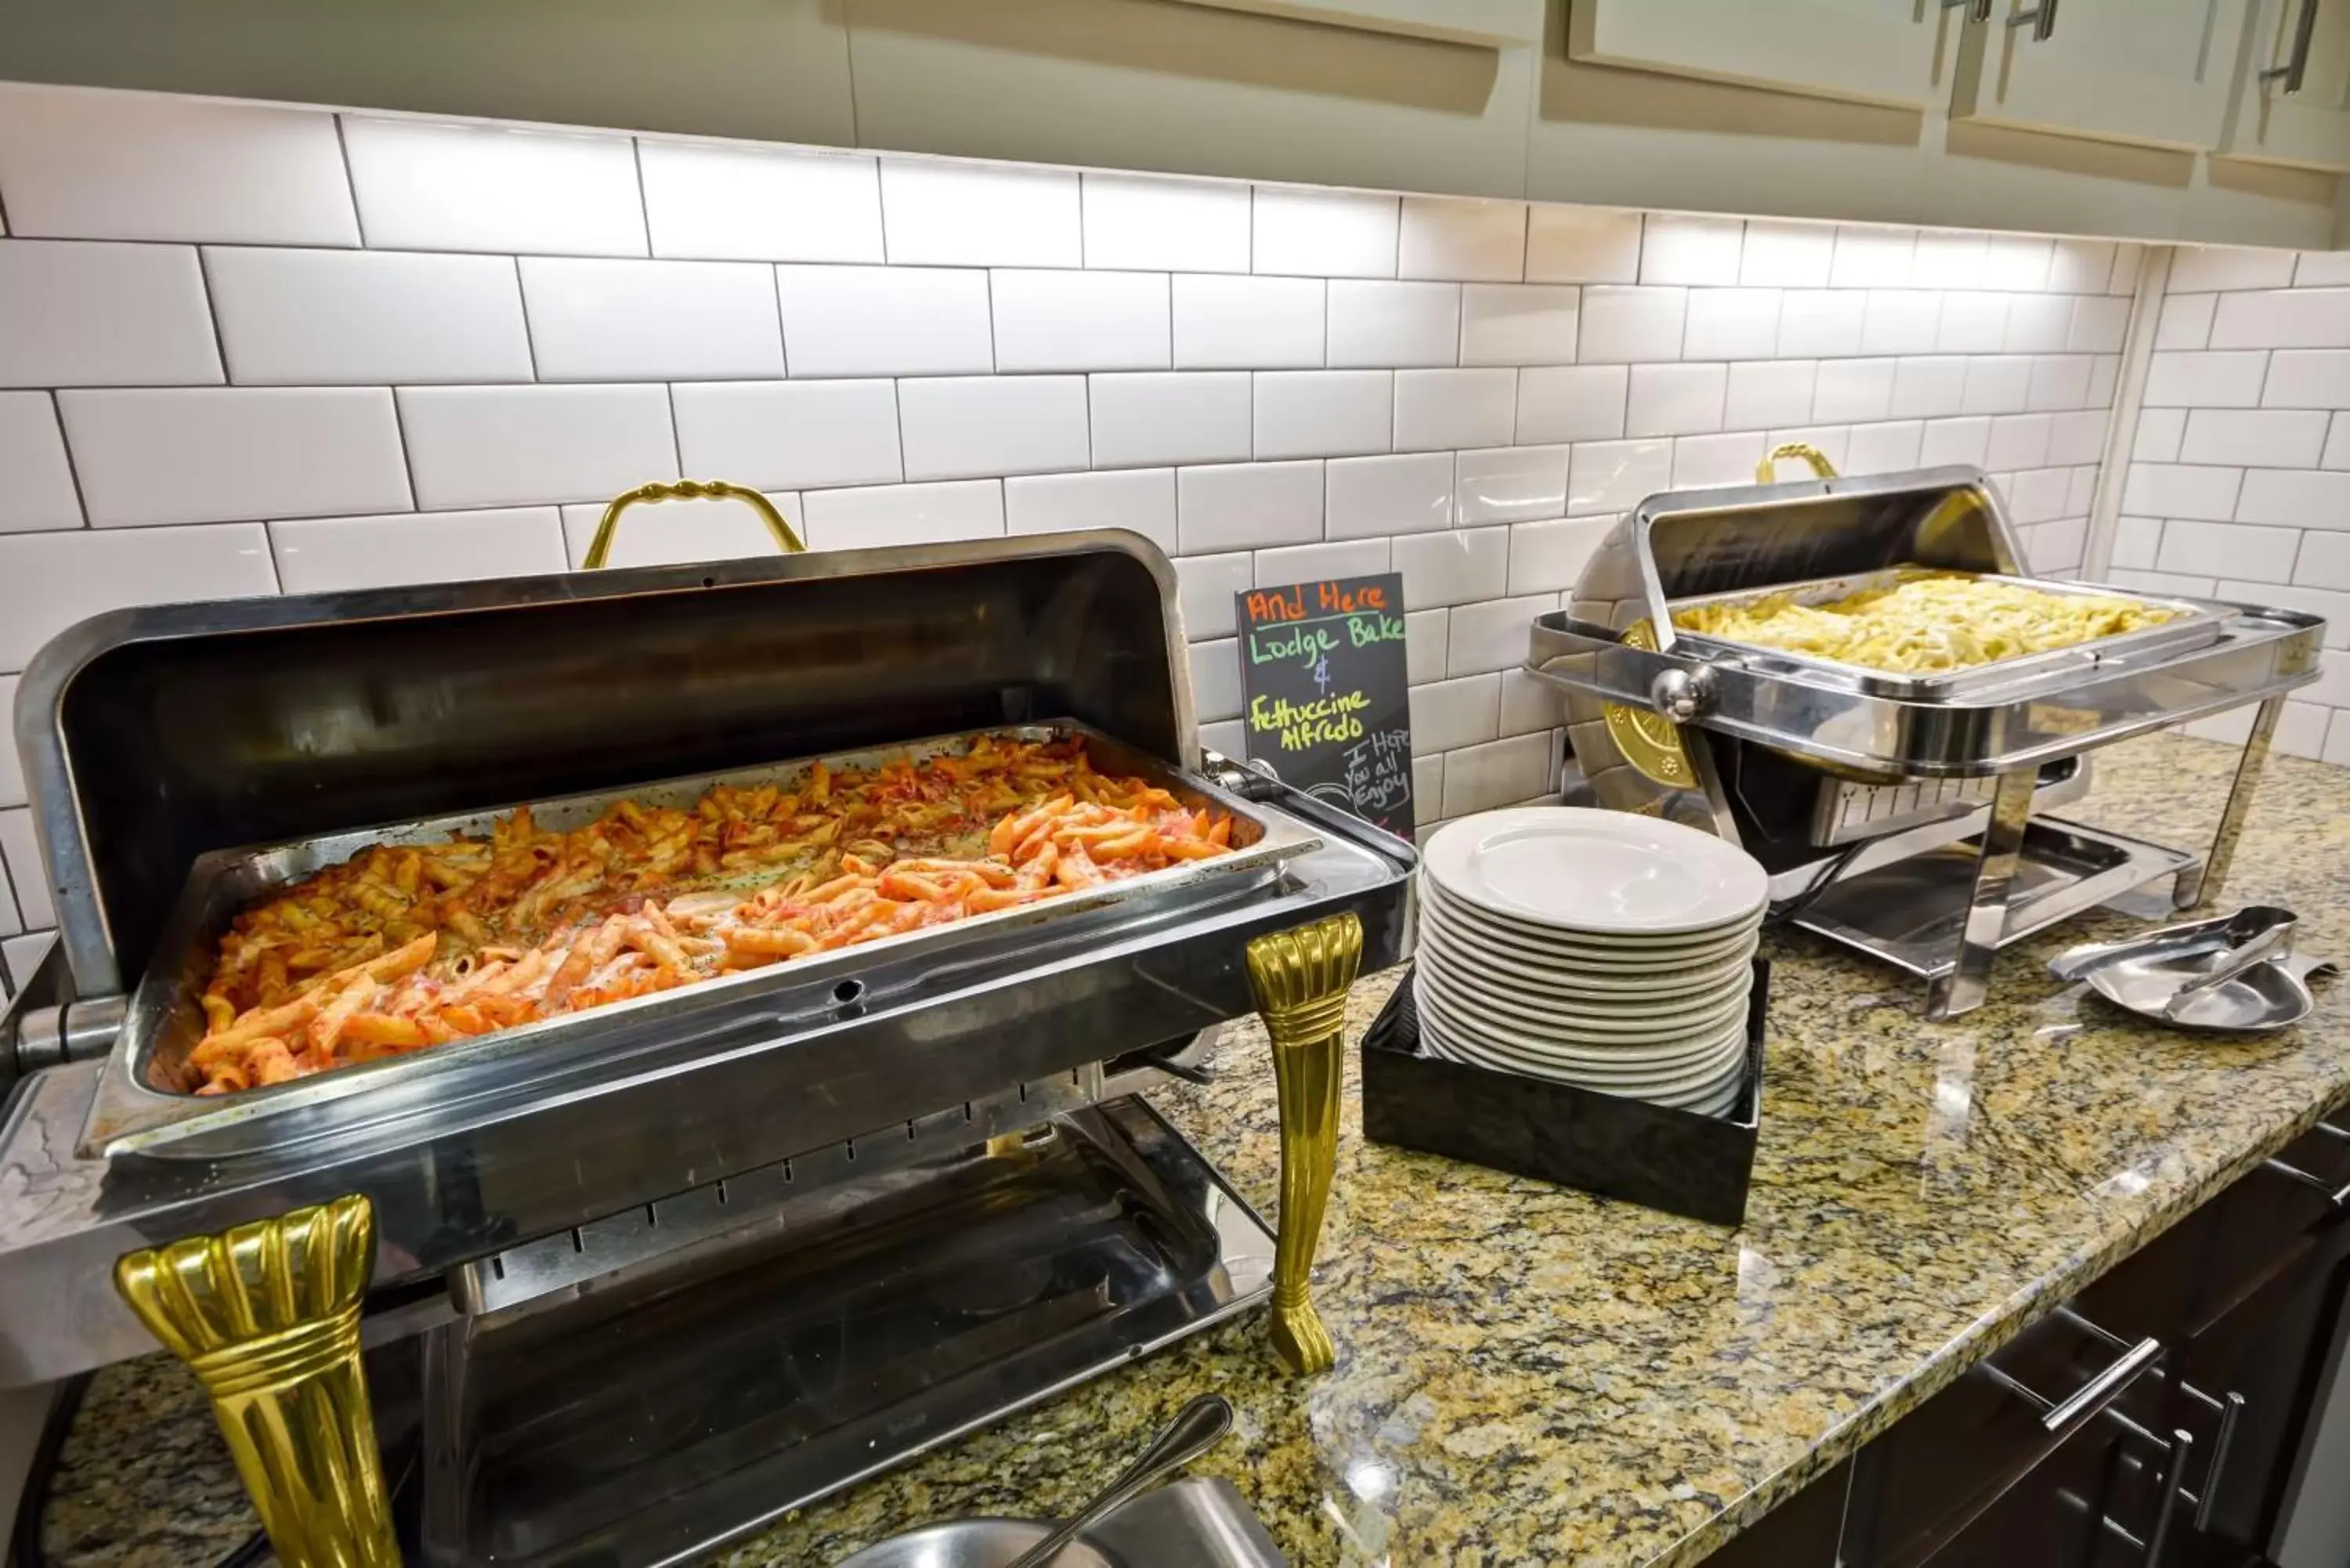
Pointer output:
x,y
154,737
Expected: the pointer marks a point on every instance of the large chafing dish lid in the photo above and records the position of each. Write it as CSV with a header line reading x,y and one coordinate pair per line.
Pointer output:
x,y
151,736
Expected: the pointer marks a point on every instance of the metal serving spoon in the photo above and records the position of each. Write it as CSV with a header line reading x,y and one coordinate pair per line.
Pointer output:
x,y
1201,1427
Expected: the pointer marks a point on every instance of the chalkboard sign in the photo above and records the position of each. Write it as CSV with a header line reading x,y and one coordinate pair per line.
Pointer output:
x,y
1323,673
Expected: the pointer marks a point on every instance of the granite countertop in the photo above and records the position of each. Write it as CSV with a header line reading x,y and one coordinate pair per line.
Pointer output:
x,y
1527,1374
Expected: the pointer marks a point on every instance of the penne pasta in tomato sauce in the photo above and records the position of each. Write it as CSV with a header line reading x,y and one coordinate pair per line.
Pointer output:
x,y
405,947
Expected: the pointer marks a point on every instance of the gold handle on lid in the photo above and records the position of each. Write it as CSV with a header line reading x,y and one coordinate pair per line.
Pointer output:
x,y
1767,471
689,490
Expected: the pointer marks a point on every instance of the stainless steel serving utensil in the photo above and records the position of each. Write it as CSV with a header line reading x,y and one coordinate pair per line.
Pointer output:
x,y
1201,1427
2235,974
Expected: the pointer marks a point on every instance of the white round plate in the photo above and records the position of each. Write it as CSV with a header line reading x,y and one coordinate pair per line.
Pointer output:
x,y
1647,1063
1572,869
1466,949
1694,1088
1594,951
1565,1023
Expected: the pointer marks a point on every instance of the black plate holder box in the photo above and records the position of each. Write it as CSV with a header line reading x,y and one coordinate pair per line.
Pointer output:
x,y
1655,1155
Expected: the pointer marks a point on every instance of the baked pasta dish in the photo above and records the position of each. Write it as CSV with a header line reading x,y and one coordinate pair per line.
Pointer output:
x,y
405,947
1925,625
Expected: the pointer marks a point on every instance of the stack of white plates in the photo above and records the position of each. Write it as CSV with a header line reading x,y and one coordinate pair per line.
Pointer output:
x,y
1595,948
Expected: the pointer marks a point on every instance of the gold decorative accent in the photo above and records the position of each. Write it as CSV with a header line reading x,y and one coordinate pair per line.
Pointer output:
x,y
689,490
1767,471
1300,979
1649,742
267,1315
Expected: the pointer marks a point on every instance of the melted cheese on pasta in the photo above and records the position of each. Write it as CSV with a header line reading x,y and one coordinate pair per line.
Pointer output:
x,y
1925,625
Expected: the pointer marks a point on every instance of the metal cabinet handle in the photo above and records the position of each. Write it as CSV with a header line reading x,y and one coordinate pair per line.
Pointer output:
x,y
2059,1416
2042,20
1977,10
2231,1409
2182,1442
2296,65
2340,1198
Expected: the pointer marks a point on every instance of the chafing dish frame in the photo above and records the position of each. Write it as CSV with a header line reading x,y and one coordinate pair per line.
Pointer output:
x,y
136,1111
2004,727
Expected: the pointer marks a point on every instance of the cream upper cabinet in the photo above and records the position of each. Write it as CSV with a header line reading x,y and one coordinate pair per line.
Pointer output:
x,y
2155,72
2292,102
1871,51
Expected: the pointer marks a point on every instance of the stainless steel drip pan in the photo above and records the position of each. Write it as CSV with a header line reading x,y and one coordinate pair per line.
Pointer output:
x,y
141,1100
2193,625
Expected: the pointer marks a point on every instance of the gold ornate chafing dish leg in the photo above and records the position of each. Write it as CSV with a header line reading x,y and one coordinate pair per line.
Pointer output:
x,y
1301,979
267,1315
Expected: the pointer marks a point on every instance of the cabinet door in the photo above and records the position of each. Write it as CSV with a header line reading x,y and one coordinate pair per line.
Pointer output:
x,y
2154,72
2294,103
1875,51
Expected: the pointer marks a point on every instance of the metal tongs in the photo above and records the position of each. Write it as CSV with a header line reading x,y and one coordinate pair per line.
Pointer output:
x,y
2236,973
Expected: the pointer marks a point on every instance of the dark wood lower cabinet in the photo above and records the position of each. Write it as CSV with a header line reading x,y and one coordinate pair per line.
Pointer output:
x,y
2158,1421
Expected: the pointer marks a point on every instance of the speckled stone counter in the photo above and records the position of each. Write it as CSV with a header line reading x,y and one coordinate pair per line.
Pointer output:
x,y
1530,1374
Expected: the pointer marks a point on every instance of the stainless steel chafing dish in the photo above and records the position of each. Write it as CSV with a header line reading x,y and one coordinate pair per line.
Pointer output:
x,y
1894,812
668,1268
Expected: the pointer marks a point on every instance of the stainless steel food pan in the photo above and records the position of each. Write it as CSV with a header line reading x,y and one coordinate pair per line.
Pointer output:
x,y
2193,624
145,1095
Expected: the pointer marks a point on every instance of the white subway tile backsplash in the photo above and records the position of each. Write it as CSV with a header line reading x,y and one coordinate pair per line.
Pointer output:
x,y
1208,586
2077,436
50,581
1821,323
1947,260
1678,250
2037,323
2017,261
1464,566
1565,403
2254,437
1324,234
1854,390
2099,324
103,315
1731,324
2288,499
2058,381
2286,318
2326,564
1448,409
1324,413
2338,444
1492,635
2307,378
686,531
1312,563
2160,433
2081,266
1227,738
940,212
2129,260
1424,634
1506,483
221,454
1142,222
1451,714
318,318
595,320
1054,320
510,446
1483,778
37,485
321,555
2185,321
1375,322
1787,255
1519,324
1246,505
1582,244
903,515
1144,418
2056,548
2037,495
1997,384
1870,257
713,201
1245,323
424,185
789,435
1627,326
1617,475
1452,237
885,321
1427,787
2228,549
957,427
1885,448
1708,460
1675,399
1929,387
1765,392
1900,321
1528,705
12,772
1955,441
81,164
2205,380
1216,679
1548,557
2322,269
2202,268
1141,499
2019,441
2173,490
1972,322
2137,541
2163,583
1372,497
